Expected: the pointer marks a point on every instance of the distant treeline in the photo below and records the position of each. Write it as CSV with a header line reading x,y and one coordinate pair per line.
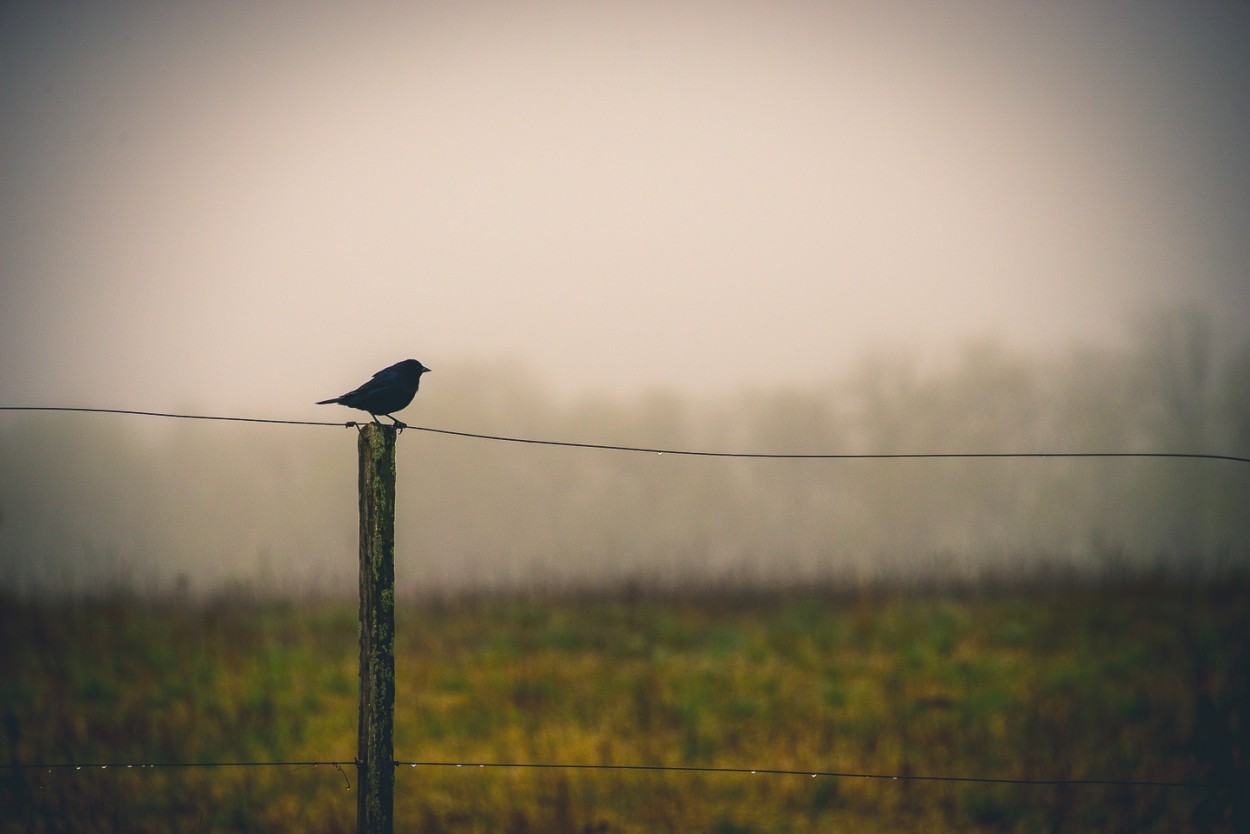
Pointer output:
x,y
96,501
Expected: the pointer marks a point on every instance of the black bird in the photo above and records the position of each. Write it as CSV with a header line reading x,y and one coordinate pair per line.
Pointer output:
x,y
390,390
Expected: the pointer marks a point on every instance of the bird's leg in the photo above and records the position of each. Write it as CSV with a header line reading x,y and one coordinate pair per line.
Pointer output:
x,y
376,421
399,424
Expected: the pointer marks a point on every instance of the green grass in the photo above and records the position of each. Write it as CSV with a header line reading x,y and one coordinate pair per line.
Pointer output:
x,y
1145,683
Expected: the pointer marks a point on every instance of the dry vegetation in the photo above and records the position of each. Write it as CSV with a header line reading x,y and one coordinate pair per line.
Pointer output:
x,y
1145,681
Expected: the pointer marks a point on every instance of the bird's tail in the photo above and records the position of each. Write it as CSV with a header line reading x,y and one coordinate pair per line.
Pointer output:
x,y
328,402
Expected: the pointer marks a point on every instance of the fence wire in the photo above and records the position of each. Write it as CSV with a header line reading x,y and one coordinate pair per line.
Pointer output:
x,y
650,449
722,771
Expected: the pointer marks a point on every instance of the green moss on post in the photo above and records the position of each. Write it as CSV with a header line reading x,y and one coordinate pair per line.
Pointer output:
x,y
375,756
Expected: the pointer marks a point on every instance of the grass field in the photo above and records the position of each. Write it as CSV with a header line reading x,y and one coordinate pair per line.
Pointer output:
x,y
1142,682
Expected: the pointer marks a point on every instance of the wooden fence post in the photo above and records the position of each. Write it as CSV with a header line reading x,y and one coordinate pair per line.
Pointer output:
x,y
375,756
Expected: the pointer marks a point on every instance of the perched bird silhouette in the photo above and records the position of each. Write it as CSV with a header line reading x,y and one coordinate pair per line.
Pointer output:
x,y
390,390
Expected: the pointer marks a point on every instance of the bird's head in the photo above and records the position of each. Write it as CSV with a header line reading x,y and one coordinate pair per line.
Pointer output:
x,y
412,369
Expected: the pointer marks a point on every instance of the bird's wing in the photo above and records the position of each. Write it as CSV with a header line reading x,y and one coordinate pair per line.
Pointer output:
x,y
378,382
392,370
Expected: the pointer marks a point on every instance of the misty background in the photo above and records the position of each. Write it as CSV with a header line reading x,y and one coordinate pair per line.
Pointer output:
x,y
100,502
782,227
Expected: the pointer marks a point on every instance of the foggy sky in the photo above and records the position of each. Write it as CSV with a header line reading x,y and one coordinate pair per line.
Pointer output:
x,y
254,207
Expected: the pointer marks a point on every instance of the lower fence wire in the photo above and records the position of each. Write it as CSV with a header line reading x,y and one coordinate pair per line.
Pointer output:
x,y
729,771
